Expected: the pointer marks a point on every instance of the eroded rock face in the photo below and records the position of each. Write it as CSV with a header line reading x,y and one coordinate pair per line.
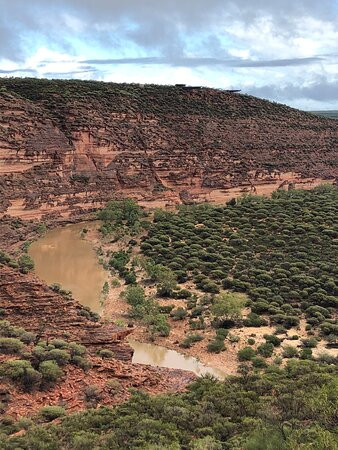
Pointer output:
x,y
68,146
27,302
31,304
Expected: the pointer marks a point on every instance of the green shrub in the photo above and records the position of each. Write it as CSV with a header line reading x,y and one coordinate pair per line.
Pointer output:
x,y
178,313
266,349
278,361
25,263
166,309
190,340
92,394
290,352
253,320
50,413
326,358
216,346
105,353
246,354
60,356
159,325
197,324
273,339
305,353
10,345
294,337
82,362
183,293
280,329
113,385
309,343
251,341
135,295
259,363
77,349
221,333
22,372
233,338
59,343
50,371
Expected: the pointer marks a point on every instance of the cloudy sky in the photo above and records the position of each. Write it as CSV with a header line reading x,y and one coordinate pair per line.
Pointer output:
x,y
283,50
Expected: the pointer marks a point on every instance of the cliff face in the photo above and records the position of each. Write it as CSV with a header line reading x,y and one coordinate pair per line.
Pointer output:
x,y
68,146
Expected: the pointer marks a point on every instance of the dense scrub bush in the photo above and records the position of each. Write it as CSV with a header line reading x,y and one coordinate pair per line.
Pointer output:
x,y
253,320
21,372
258,363
266,349
81,362
246,354
123,215
50,413
10,345
290,352
92,394
62,357
310,343
303,393
113,385
216,345
50,371
178,313
305,353
190,339
105,353
278,250
273,339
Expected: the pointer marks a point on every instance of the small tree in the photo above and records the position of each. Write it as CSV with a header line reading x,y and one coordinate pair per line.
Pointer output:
x,y
228,305
135,295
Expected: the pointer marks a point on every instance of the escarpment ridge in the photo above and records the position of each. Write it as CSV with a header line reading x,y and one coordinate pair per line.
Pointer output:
x,y
68,146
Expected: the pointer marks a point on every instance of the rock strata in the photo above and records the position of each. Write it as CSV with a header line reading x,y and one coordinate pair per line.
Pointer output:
x,y
68,146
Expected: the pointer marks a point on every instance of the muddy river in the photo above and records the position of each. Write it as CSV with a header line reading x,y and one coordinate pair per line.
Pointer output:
x,y
63,256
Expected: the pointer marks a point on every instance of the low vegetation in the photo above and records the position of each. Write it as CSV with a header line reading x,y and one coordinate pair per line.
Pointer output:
x,y
280,253
280,408
34,364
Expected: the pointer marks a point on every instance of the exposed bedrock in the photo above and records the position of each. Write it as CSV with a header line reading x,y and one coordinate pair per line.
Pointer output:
x,y
69,146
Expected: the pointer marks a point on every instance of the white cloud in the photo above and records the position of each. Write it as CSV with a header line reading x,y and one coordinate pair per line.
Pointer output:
x,y
52,38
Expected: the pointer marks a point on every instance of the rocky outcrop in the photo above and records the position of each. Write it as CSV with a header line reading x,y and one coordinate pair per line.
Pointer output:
x,y
68,146
29,303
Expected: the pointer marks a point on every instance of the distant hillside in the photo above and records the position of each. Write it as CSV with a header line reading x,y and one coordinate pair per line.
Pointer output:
x,y
68,146
329,114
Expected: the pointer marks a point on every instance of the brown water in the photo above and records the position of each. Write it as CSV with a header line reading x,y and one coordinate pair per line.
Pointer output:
x,y
63,256
155,355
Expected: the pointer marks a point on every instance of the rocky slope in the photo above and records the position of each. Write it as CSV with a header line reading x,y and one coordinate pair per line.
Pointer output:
x,y
68,146
27,302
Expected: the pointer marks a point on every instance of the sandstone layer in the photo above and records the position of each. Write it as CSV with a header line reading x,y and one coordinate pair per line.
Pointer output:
x,y
68,146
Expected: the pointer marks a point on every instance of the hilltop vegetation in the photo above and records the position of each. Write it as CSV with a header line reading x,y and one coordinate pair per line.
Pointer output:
x,y
126,97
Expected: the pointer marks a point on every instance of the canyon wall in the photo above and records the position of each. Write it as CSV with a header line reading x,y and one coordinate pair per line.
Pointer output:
x,y
69,146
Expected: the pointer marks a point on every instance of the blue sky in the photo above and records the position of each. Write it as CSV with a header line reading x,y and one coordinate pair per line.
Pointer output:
x,y
283,50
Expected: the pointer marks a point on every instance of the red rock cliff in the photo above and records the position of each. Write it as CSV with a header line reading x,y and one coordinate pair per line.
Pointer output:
x,y
68,146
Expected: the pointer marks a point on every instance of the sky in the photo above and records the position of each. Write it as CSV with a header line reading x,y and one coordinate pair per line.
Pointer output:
x,y
282,50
